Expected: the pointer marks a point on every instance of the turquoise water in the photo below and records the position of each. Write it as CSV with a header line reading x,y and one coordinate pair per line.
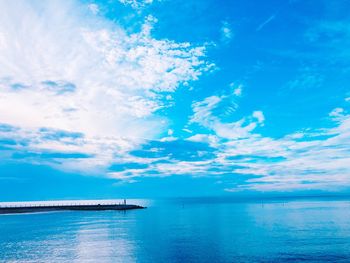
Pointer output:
x,y
183,231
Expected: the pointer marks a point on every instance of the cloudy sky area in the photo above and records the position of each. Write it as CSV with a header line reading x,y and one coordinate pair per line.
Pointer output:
x,y
147,98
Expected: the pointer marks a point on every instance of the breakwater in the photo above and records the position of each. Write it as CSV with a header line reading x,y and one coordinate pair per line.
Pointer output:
x,y
9,209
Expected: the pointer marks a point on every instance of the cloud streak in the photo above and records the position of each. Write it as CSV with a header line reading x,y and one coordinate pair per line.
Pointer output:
x,y
263,24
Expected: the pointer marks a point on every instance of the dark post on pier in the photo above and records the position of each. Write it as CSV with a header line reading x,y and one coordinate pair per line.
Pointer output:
x,y
57,206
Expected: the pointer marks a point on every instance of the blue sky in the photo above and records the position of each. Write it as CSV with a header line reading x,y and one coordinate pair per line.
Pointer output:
x,y
132,98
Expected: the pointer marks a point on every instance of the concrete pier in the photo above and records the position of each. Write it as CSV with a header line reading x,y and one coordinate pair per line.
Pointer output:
x,y
31,208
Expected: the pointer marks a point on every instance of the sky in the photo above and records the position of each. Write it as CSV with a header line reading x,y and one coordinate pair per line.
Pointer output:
x,y
167,98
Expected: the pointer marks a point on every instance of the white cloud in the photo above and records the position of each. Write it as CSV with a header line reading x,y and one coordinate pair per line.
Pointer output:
x,y
73,82
259,115
137,4
236,89
94,8
226,32
64,69
306,160
203,110
187,130
309,159
203,115
337,113
212,140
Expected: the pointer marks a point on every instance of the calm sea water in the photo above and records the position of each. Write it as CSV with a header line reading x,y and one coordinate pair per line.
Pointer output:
x,y
183,231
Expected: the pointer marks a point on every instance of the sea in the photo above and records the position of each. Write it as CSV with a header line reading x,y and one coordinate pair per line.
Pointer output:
x,y
184,230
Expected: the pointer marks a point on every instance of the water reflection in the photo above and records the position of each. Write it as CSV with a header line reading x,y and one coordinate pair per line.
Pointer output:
x,y
105,240
171,232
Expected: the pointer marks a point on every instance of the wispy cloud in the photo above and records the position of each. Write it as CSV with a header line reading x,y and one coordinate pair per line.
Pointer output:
x,y
94,8
306,160
226,32
137,4
204,116
263,24
307,78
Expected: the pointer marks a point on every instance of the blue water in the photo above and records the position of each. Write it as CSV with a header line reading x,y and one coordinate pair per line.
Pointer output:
x,y
183,231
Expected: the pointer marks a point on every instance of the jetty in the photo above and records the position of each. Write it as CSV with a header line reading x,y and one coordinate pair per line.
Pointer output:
x,y
32,207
